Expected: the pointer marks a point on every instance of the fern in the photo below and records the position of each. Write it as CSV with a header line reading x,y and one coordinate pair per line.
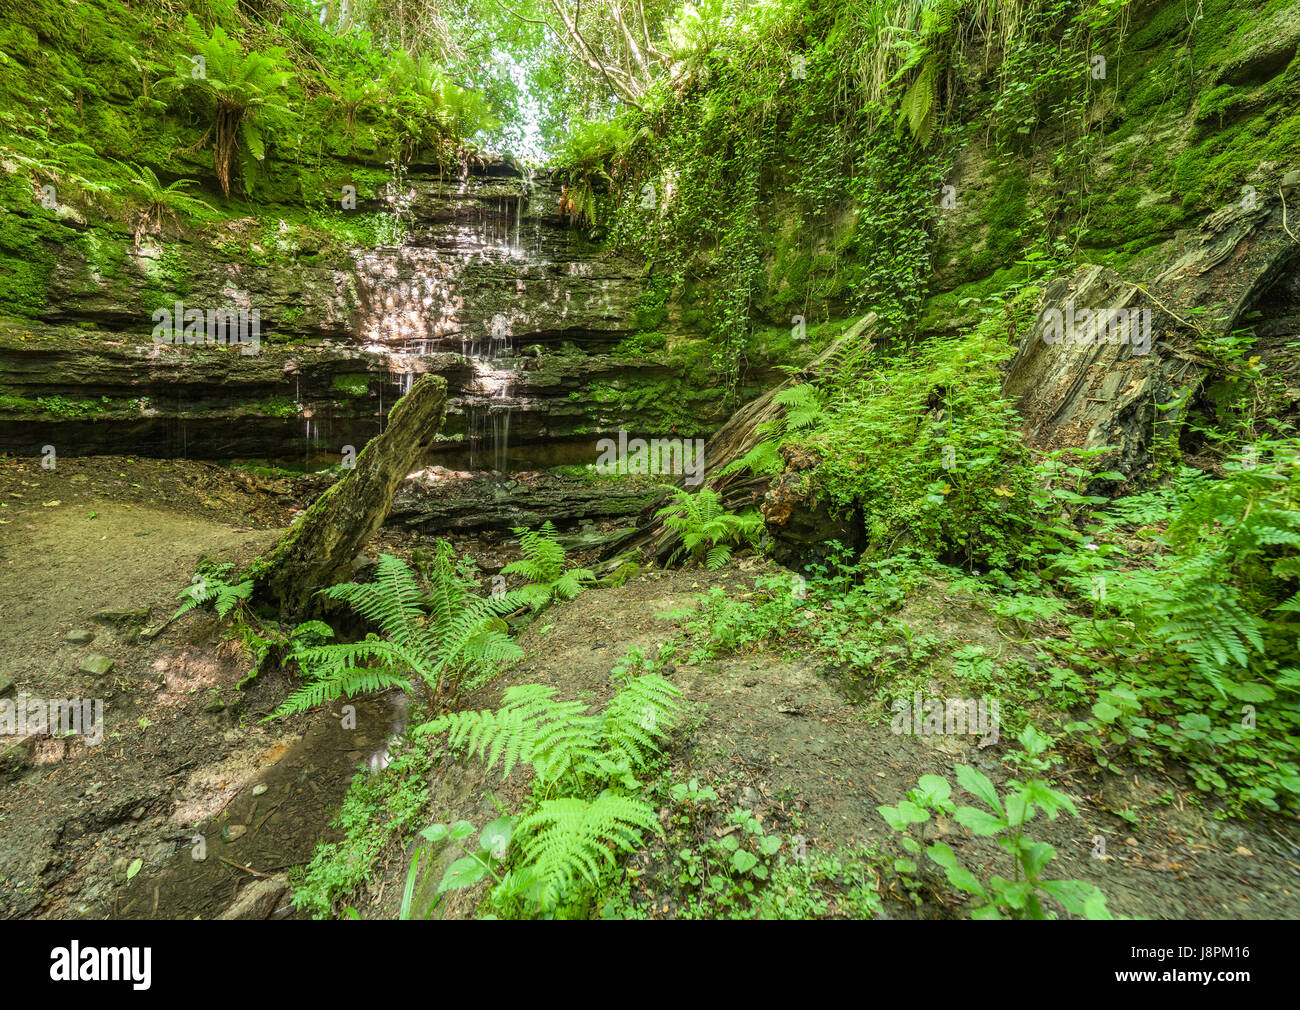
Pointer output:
x,y
568,843
239,93
805,407
211,587
708,530
445,635
543,566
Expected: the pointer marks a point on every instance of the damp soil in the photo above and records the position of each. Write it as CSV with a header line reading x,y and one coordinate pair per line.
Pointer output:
x,y
104,545
780,735
186,756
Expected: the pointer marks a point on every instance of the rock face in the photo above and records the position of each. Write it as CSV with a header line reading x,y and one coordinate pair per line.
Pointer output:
x,y
485,287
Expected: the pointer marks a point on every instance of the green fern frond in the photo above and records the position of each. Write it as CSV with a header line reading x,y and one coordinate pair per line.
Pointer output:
x,y
570,841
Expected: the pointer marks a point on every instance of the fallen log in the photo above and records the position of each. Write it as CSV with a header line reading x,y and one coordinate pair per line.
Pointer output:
x,y
742,490
319,549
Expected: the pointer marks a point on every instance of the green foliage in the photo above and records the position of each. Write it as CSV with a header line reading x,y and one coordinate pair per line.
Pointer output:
x,y
805,407
425,111
1196,644
444,637
239,94
566,844
211,587
378,810
947,475
1021,895
543,566
161,202
708,531
585,159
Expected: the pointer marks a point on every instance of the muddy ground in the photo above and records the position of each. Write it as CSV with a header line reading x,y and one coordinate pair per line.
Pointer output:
x,y
187,768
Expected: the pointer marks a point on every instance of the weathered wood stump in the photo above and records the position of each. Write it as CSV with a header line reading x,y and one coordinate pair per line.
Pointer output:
x,y
318,551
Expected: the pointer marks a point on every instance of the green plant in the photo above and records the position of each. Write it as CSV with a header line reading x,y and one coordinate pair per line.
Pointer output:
x,y
805,407
708,531
543,566
1021,895
211,587
567,843
237,92
443,636
377,810
161,202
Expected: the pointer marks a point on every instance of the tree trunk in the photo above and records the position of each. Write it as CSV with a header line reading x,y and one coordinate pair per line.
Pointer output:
x,y
319,549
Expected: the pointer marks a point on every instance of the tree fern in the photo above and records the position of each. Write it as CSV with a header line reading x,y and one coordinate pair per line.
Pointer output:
x,y
239,93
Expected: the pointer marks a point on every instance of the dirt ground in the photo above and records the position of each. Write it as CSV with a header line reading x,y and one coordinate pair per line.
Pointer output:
x,y
777,735
92,545
104,545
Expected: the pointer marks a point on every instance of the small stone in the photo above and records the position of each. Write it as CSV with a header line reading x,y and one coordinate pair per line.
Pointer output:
x,y
137,813
1292,178
233,832
96,665
81,637
259,789
1243,851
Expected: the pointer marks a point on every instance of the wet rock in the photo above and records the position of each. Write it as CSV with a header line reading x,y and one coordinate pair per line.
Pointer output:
x,y
80,637
96,665
259,900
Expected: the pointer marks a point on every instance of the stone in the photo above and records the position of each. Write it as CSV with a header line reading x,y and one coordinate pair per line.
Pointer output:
x,y
259,900
127,623
81,637
96,665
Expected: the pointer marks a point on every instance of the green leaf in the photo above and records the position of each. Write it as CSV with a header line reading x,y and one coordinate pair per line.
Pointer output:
x,y
463,873
743,862
905,813
978,784
496,837
934,789
979,821
134,868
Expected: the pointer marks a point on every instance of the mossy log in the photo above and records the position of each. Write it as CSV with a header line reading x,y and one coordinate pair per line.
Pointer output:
x,y
742,490
318,551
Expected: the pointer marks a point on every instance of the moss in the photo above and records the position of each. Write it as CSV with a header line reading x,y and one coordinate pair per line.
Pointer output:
x,y
352,383
278,406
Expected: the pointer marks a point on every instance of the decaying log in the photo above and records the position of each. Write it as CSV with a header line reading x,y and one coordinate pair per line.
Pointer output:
x,y
739,490
318,551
